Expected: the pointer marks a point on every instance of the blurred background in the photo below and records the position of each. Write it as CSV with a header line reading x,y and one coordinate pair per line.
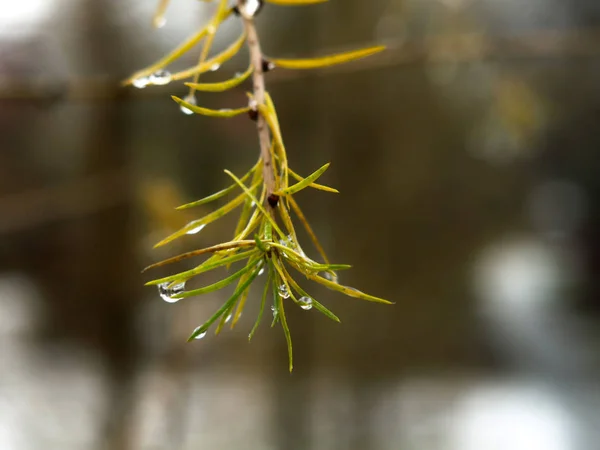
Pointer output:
x,y
467,157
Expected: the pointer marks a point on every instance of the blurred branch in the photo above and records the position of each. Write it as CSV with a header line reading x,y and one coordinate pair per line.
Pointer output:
x,y
466,47
67,201
73,89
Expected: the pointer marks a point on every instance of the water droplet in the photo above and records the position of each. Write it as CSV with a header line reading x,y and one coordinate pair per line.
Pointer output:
x,y
253,104
251,7
287,242
201,335
225,110
283,291
290,243
215,67
167,293
353,289
274,311
306,303
331,277
197,229
160,77
160,21
191,99
267,66
141,82
261,271
228,318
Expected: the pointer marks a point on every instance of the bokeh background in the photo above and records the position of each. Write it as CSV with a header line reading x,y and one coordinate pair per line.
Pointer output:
x,y
467,157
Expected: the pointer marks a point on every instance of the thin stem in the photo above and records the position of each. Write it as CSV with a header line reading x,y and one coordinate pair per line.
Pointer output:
x,y
202,251
214,22
258,80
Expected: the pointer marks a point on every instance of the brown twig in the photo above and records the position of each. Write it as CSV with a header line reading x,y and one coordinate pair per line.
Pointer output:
x,y
258,83
75,199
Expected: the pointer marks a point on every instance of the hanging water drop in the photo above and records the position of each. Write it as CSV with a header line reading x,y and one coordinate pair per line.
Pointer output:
x,y
228,318
274,311
215,67
191,99
331,277
201,335
306,303
160,77
353,289
167,293
261,271
267,66
253,104
251,7
285,243
283,291
196,230
140,82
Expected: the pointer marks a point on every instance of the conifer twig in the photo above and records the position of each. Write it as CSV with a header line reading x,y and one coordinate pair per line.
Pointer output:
x,y
274,246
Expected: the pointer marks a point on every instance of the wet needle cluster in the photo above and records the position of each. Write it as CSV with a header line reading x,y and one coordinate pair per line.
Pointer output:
x,y
264,245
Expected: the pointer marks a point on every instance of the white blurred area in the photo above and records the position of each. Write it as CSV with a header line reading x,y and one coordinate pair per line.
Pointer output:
x,y
49,397
52,30
55,398
514,416
218,410
24,16
525,287
52,399
469,413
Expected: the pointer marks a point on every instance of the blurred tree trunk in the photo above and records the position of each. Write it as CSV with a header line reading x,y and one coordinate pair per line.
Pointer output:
x,y
108,291
111,242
